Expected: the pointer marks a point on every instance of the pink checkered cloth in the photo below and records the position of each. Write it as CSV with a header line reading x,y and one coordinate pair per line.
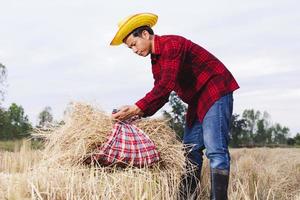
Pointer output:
x,y
127,145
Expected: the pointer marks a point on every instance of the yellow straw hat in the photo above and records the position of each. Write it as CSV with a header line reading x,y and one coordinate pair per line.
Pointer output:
x,y
132,22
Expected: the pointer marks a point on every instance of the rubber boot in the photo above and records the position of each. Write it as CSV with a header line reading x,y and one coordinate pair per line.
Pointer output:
x,y
219,184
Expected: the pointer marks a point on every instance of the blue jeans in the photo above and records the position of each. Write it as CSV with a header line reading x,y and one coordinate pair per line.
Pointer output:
x,y
212,134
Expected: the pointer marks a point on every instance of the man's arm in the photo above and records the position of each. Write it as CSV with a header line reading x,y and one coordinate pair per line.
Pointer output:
x,y
170,63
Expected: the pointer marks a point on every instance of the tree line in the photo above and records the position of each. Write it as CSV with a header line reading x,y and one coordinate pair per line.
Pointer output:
x,y
14,123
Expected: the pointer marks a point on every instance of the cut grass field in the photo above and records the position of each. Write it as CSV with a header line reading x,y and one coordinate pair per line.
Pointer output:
x,y
258,173
15,145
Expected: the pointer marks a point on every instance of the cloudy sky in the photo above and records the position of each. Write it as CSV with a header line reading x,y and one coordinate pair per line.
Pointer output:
x,y
58,51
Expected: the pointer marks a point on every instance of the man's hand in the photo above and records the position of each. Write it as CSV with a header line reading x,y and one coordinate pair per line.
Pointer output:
x,y
126,112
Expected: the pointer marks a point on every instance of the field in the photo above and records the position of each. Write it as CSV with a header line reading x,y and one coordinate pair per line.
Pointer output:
x,y
258,173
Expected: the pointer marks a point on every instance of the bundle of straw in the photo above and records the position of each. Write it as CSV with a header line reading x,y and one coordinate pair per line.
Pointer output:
x,y
87,127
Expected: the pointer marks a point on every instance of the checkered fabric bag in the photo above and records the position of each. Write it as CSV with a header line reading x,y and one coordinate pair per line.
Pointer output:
x,y
127,145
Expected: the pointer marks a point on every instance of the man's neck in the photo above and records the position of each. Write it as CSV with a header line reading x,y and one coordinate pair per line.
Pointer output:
x,y
152,45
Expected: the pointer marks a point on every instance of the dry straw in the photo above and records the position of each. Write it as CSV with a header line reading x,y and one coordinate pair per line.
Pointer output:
x,y
84,128
87,127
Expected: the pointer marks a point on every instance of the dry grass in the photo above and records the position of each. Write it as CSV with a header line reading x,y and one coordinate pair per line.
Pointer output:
x,y
56,172
60,173
23,177
260,173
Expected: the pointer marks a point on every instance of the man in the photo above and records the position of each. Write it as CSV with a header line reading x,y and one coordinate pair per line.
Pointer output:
x,y
200,80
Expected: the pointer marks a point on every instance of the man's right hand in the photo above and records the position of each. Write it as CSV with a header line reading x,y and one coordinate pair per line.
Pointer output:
x,y
126,112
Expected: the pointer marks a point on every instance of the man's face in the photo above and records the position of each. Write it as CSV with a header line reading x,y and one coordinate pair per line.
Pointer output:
x,y
140,45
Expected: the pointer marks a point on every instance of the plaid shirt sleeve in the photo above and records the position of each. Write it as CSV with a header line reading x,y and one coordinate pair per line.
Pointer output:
x,y
159,95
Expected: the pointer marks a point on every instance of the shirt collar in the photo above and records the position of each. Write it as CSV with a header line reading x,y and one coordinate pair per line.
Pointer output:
x,y
157,50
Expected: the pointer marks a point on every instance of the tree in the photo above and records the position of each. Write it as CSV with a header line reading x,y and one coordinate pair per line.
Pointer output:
x,y
262,134
45,117
258,127
4,124
238,131
255,129
177,114
251,117
280,134
297,139
291,141
3,74
14,123
19,121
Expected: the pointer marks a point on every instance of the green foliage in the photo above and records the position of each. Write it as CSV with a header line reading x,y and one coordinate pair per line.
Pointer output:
x,y
177,114
251,118
291,141
263,135
14,123
238,131
280,134
255,129
297,139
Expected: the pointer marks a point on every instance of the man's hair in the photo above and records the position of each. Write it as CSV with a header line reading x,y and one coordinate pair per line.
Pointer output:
x,y
138,31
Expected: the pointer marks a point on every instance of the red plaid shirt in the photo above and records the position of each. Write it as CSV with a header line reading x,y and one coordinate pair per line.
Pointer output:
x,y
197,77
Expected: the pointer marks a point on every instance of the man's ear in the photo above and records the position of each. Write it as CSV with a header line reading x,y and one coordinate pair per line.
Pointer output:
x,y
145,34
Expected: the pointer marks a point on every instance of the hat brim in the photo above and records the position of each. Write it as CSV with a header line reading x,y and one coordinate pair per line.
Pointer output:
x,y
138,20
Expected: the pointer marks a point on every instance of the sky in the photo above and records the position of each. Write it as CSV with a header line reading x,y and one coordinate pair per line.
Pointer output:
x,y
57,52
